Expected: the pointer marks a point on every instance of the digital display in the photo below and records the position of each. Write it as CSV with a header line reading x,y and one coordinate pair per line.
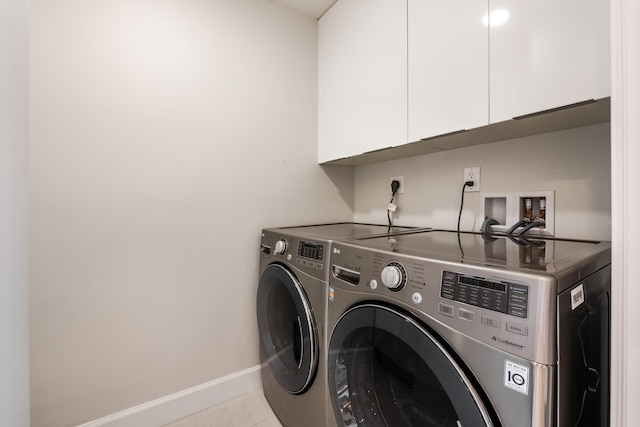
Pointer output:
x,y
486,284
311,250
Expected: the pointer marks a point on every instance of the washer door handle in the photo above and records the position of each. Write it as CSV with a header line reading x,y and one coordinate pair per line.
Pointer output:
x,y
301,341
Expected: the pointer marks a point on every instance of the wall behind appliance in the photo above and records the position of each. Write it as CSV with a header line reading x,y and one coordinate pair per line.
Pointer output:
x,y
164,136
575,163
14,284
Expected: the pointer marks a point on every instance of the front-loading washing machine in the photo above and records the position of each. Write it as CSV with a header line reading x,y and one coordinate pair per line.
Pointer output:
x,y
467,330
291,313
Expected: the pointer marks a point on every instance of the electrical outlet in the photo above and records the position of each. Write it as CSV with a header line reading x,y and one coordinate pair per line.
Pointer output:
x,y
400,179
472,174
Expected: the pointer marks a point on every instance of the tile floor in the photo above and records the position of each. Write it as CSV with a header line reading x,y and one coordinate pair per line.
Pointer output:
x,y
249,410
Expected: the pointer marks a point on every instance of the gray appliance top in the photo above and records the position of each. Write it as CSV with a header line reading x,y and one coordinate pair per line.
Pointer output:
x,y
563,258
308,247
345,230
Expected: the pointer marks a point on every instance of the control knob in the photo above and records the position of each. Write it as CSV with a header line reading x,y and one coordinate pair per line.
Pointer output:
x,y
394,276
280,247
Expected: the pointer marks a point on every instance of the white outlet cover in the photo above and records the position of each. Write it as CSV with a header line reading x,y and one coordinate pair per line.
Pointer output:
x,y
472,174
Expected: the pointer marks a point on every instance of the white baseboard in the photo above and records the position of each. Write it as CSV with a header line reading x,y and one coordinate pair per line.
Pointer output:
x,y
184,403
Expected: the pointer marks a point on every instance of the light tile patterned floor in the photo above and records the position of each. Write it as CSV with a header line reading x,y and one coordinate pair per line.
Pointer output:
x,y
248,410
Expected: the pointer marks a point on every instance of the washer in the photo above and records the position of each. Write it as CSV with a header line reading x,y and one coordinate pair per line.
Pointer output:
x,y
291,314
461,329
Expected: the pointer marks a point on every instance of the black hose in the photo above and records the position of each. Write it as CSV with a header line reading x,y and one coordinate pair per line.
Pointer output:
x,y
486,225
529,227
486,229
467,183
516,225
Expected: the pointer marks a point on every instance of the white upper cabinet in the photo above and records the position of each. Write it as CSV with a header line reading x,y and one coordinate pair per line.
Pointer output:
x,y
547,54
397,71
362,77
448,67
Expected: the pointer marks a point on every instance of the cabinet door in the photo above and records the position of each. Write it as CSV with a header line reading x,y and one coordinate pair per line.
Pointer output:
x,y
362,76
448,67
548,54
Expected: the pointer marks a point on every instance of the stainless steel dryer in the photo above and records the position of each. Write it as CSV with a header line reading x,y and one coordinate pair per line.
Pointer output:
x,y
291,314
447,329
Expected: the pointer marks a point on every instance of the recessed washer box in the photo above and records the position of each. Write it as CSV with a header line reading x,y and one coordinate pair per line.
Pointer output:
x,y
542,205
498,207
509,208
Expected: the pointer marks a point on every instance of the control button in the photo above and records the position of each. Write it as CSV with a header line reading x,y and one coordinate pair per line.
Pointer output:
x,y
298,261
280,247
517,328
391,277
373,284
445,309
318,266
490,321
288,257
394,276
416,298
305,263
312,264
466,315
518,313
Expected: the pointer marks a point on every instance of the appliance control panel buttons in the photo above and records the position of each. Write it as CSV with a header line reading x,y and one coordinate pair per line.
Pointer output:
x,y
307,263
517,328
466,315
445,309
373,284
496,295
416,297
490,321
280,247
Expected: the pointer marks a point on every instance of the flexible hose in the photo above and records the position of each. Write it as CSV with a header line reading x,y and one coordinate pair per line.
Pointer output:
x,y
529,227
516,225
486,225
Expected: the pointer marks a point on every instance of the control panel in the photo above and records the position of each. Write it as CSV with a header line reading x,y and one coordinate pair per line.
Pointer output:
x,y
500,296
306,255
311,250
498,307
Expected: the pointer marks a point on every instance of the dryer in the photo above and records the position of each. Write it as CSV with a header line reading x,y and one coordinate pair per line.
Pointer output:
x,y
291,314
461,329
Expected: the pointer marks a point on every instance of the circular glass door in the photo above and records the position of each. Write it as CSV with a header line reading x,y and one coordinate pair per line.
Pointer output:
x,y
385,369
287,328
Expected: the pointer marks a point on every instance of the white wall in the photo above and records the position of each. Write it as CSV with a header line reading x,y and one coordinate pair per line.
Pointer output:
x,y
625,144
574,163
164,136
14,309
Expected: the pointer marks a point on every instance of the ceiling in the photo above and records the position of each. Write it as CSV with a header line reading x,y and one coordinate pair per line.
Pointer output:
x,y
314,8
